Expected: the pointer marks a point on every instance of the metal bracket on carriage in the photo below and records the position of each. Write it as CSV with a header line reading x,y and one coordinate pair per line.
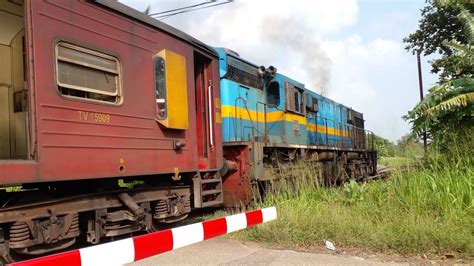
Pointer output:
x,y
53,230
176,176
228,167
178,144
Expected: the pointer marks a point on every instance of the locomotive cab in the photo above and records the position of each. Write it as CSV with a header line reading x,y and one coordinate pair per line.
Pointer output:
x,y
13,84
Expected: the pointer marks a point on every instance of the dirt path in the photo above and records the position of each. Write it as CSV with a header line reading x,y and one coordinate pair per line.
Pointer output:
x,y
231,252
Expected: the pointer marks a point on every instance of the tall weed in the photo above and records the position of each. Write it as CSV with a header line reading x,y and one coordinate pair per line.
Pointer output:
x,y
428,210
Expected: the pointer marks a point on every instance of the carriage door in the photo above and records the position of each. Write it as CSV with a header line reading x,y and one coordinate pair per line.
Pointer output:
x,y
13,87
204,119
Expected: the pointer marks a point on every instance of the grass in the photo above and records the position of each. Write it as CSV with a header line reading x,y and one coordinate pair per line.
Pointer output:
x,y
12,189
397,161
427,211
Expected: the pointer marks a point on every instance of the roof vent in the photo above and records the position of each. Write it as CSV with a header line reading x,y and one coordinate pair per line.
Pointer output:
x,y
229,51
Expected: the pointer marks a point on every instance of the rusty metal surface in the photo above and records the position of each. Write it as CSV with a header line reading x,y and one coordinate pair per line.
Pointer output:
x,y
237,186
38,228
67,134
140,16
58,233
83,203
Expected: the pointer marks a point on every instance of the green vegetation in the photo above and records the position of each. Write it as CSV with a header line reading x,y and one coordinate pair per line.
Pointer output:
x,y
407,148
396,161
447,27
129,184
440,22
12,189
427,211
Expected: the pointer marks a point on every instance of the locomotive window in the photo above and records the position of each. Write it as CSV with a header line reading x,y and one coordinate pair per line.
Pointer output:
x,y
242,72
273,94
160,87
88,74
314,104
295,99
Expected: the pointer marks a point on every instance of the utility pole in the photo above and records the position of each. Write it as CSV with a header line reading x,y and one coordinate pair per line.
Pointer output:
x,y
420,84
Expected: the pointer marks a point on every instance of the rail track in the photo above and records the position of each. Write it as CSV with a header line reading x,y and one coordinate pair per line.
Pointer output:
x,y
385,171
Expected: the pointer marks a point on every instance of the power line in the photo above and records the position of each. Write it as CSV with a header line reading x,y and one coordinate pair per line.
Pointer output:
x,y
181,8
170,13
185,11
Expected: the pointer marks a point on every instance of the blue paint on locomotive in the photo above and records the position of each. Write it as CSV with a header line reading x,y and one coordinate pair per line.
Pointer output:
x,y
331,116
286,127
245,118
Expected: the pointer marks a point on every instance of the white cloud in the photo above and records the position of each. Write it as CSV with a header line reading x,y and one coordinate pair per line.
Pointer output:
x,y
376,77
303,40
282,33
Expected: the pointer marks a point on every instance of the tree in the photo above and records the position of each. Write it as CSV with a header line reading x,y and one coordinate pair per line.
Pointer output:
x,y
440,22
385,147
409,144
449,107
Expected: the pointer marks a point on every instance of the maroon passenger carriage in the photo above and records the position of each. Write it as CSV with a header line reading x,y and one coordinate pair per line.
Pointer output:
x,y
93,93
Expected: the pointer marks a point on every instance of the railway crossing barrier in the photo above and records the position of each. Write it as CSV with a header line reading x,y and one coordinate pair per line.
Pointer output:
x,y
136,248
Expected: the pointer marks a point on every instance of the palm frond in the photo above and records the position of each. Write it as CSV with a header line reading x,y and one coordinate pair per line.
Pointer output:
x,y
452,103
468,19
461,49
453,99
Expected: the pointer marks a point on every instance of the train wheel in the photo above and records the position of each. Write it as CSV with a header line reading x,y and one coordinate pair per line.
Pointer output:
x,y
167,211
156,226
51,234
330,174
7,259
25,240
11,256
267,188
256,195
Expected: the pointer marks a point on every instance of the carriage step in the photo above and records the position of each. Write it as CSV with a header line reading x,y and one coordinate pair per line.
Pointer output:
x,y
208,192
211,203
207,181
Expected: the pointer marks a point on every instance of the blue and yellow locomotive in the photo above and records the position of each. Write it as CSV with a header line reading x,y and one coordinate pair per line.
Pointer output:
x,y
272,117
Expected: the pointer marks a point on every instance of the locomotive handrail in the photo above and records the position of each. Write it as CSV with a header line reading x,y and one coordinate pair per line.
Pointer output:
x,y
250,118
264,119
366,144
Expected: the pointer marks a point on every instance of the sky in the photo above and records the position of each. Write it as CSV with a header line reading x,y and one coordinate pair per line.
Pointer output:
x,y
349,50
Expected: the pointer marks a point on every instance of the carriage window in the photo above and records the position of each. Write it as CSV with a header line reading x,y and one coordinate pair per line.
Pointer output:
x,y
88,74
160,87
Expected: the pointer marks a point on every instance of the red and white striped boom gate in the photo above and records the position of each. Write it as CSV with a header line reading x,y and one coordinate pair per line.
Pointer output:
x,y
136,248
